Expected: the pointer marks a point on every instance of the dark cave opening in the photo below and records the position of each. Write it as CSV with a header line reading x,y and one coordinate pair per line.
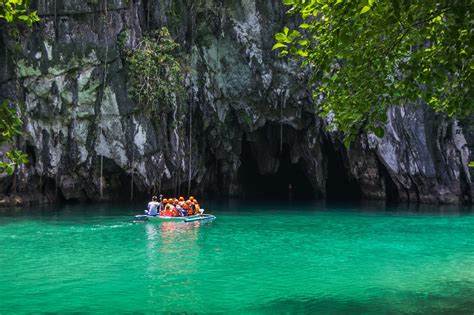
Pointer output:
x,y
339,185
288,183
391,191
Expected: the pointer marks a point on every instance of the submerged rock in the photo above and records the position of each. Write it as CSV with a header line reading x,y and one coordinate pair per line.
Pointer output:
x,y
87,140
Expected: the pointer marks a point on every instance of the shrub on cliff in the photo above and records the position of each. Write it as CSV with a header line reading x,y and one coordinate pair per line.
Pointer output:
x,y
156,71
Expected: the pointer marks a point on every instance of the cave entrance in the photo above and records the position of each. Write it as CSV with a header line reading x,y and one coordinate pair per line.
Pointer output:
x,y
339,185
288,183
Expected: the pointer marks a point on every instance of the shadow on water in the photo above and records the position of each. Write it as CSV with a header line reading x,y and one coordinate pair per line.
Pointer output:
x,y
128,210
362,206
381,302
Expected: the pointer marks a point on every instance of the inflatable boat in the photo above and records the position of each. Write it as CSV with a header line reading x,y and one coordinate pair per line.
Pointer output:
x,y
191,218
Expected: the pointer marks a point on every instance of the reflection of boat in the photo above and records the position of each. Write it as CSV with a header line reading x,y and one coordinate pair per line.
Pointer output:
x,y
191,218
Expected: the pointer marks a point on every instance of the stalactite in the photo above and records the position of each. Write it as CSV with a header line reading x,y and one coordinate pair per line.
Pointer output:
x,y
6,62
148,14
41,183
159,183
133,171
104,5
73,147
56,19
178,182
101,177
56,184
281,125
104,82
190,142
106,57
178,147
14,181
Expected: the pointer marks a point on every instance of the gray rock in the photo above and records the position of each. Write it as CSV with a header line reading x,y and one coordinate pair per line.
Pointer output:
x,y
87,140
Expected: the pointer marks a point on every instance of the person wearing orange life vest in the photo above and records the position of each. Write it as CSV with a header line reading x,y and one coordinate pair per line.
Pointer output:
x,y
195,205
197,208
169,208
181,209
189,207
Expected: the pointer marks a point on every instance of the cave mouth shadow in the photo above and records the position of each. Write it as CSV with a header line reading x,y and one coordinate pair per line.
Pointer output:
x,y
288,183
340,186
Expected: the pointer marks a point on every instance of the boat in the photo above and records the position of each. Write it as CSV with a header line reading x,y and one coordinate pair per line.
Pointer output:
x,y
187,219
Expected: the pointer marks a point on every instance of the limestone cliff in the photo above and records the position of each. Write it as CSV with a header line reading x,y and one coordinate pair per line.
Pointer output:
x,y
87,140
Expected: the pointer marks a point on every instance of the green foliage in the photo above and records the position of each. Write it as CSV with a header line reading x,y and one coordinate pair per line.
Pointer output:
x,y
156,71
10,127
17,11
367,55
15,157
471,164
122,39
13,11
10,124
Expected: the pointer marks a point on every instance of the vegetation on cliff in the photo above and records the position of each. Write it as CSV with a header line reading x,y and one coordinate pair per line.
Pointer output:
x,y
12,12
155,70
368,55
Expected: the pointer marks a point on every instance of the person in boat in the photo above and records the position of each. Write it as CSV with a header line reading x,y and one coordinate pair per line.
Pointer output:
x,y
197,208
167,211
162,206
181,206
181,210
153,206
170,209
164,202
189,207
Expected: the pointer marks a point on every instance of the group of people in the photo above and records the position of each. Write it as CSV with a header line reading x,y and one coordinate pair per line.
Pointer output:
x,y
173,207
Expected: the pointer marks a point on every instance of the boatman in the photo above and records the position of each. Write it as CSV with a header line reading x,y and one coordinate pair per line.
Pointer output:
x,y
153,206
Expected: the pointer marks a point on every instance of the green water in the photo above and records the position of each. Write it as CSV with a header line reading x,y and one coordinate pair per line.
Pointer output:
x,y
307,258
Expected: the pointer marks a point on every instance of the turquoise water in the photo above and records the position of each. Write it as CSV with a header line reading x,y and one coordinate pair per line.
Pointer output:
x,y
310,258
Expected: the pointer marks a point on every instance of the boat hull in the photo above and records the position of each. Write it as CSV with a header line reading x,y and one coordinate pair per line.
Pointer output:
x,y
187,219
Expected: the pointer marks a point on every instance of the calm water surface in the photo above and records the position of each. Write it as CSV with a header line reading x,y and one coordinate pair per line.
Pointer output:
x,y
307,258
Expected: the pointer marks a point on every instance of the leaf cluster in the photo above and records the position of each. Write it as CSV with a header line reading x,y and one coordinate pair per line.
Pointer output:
x,y
10,127
17,11
156,71
367,55
13,11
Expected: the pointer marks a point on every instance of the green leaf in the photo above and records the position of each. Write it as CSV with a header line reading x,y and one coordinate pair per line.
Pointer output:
x,y
365,9
10,169
302,53
303,42
281,37
278,45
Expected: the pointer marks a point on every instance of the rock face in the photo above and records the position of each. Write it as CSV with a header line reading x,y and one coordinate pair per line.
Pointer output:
x,y
249,119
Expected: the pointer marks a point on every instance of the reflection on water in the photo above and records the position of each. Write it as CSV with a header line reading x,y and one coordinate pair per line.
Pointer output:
x,y
255,258
173,253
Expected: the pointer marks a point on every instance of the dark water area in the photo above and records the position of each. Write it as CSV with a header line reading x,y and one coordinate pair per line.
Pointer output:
x,y
255,258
